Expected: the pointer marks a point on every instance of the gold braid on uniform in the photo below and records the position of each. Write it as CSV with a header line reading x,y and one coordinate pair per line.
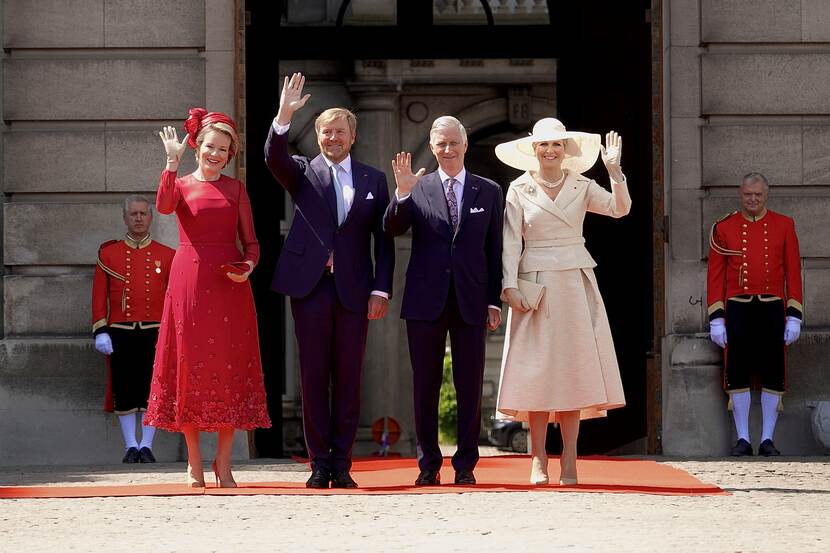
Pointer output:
x,y
717,247
115,275
725,251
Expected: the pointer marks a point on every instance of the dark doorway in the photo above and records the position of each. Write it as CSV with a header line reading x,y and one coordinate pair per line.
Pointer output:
x,y
603,83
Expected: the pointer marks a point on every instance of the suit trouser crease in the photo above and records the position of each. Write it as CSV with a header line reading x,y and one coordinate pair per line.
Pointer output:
x,y
427,341
331,342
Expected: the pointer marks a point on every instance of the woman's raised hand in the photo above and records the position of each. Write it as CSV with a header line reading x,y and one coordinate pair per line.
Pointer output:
x,y
405,180
612,155
172,147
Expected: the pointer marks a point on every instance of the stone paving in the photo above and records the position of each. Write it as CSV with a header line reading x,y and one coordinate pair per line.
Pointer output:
x,y
775,505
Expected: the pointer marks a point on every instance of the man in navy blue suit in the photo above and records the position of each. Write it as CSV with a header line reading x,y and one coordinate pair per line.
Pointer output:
x,y
453,284
326,268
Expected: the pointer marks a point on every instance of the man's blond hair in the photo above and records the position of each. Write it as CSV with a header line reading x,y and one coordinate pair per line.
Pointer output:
x,y
332,114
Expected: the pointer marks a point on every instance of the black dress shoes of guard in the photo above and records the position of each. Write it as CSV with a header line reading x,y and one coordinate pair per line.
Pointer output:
x,y
768,449
131,456
742,449
465,478
342,480
428,478
145,455
319,479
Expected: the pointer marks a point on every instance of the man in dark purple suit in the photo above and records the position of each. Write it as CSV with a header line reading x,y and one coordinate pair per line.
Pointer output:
x,y
326,268
453,284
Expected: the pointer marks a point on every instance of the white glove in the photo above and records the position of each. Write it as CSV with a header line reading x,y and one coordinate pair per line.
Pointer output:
x,y
172,147
717,331
792,330
612,154
103,343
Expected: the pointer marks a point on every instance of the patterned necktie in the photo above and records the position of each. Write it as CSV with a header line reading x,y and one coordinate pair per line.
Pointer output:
x,y
338,191
452,203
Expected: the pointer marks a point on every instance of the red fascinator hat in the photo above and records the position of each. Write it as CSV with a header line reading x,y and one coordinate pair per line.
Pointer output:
x,y
199,118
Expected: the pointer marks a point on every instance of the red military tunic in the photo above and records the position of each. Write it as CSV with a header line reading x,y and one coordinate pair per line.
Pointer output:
x,y
127,300
129,284
754,258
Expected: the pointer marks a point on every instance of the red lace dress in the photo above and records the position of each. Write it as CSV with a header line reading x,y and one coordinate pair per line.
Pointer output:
x,y
207,368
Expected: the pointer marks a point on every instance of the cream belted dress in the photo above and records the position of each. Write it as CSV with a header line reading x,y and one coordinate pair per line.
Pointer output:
x,y
561,356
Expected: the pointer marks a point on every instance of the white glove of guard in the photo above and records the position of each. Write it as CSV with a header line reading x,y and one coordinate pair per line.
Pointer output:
x,y
103,343
792,330
717,331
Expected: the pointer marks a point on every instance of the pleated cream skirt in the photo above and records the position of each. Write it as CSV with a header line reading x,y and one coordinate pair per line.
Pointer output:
x,y
560,357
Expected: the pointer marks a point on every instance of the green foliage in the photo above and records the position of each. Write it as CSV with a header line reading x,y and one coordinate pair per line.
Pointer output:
x,y
447,413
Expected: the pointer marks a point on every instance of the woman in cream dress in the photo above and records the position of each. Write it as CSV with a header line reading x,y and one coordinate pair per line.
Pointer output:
x,y
558,363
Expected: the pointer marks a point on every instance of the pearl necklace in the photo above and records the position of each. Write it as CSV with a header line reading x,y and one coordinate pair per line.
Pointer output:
x,y
550,185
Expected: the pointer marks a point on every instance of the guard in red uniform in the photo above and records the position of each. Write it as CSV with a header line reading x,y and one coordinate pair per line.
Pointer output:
x,y
127,300
754,298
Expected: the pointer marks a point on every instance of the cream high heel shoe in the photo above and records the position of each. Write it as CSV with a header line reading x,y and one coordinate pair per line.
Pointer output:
x,y
539,471
567,470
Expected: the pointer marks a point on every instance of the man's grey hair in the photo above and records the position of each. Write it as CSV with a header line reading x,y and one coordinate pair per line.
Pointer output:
x,y
447,121
755,177
135,198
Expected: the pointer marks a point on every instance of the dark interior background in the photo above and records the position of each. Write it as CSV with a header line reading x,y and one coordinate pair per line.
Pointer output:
x,y
603,83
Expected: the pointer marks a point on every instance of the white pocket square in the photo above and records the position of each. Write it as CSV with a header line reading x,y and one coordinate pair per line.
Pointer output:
x,y
476,210
369,196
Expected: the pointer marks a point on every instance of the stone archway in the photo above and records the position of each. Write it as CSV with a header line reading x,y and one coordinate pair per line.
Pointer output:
x,y
482,115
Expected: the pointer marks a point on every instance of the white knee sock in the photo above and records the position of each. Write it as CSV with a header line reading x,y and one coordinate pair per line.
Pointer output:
x,y
128,430
740,412
147,433
769,410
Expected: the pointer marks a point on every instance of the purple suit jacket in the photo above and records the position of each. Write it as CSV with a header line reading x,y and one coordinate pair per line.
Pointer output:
x,y
314,232
471,258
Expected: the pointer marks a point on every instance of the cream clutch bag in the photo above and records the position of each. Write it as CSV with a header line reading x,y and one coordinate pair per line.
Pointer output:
x,y
532,292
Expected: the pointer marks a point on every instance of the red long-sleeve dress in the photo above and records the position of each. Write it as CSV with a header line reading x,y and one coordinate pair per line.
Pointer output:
x,y
207,369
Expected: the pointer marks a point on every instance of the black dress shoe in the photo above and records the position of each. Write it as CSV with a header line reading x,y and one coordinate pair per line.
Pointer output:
x,y
742,449
465,478
145,455
131,456
767,449
319,479
428,478
342,480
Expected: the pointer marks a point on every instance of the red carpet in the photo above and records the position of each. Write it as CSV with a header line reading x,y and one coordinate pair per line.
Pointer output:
x,y
394,476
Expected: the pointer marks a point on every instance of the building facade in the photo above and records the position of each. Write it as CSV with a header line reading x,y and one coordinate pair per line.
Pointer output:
x,y
86,84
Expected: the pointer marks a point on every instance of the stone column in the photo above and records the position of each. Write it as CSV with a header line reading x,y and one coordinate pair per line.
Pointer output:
x,y
387,374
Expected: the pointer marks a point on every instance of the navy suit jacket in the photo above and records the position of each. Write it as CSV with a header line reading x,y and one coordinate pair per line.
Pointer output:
x,y
314,232
471,258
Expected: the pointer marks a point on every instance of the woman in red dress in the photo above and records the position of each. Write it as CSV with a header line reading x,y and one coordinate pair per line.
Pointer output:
x,y
207,375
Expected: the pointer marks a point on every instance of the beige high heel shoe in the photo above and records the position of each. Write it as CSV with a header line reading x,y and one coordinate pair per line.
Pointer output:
x,y
539,471
191,480
230,483
567,470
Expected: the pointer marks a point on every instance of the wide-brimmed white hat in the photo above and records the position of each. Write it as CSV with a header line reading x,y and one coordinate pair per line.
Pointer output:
x,y
581,149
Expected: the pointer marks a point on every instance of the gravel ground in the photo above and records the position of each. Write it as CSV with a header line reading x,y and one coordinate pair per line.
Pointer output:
x,y
779,505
